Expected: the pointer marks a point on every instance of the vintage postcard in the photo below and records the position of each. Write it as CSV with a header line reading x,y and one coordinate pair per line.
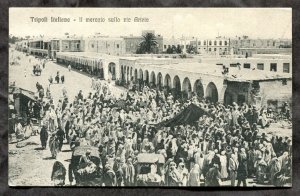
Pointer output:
x,y
185,97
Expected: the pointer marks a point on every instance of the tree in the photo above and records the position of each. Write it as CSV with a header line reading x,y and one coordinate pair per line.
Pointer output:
x,y
169,50
191,49
178,49
174,51
148,45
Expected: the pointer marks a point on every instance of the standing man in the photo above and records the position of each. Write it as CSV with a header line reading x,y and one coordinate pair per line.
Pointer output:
x,y
44,136
233,165
69,67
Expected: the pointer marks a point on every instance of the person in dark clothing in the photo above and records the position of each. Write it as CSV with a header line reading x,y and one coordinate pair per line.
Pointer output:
x,y
80,96
213,176
216,160
67,128
62,78
242,170
60,136
44,136
57,77
109,176
58,175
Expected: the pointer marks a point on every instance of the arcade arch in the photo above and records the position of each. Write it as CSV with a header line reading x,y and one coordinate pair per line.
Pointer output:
x,y
212,92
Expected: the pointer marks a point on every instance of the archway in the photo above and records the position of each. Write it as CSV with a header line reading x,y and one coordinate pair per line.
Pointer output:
x,y
152,79
141,77
127,74
167,82
135,75
176,87
199,89
212,92
131,77
146,77
122,73
112,70
159,80
186,88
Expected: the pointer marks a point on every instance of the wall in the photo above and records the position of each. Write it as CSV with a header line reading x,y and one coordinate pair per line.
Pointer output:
x,y
275,90
253,62
105,46
71,45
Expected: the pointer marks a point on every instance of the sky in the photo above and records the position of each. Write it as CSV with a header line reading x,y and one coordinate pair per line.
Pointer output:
x,y
198,22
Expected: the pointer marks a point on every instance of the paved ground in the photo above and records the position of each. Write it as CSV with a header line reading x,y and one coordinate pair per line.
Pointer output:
x,y
31,166
74,81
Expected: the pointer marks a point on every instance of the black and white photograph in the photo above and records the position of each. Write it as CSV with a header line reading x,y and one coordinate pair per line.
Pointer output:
x,y
150,97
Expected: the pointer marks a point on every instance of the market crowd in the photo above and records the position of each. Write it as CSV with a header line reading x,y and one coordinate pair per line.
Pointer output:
x,y
225,144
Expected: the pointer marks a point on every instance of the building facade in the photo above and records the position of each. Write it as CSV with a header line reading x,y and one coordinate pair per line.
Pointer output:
x,y
217,46
105,45
248,46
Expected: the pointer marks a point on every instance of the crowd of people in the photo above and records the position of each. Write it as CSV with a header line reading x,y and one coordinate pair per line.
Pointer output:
x,y
226,144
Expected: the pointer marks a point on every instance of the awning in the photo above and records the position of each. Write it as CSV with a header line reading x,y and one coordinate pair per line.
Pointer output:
x,y
189,115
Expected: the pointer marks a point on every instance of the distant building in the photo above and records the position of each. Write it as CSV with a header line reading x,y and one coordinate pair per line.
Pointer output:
x,y
22,45
247,46
132,42
217,46
105,45
40,47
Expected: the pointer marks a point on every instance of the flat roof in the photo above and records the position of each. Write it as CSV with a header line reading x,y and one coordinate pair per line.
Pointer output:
x,y
183,65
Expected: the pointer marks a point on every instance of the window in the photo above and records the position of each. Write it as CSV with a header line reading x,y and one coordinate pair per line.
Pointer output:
x,y
233,65
247,65
273,67
77,45
215,49
92,45
225,43
209,49
204,43
260,66
199,42
215,43
165,46
220,43
186,46
118,46
210,43
286,67
225,49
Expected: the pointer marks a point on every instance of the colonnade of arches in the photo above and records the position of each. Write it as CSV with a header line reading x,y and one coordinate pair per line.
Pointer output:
x,y
175,85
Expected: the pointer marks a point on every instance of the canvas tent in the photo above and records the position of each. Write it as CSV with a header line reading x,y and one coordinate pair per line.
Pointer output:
x,y
189,115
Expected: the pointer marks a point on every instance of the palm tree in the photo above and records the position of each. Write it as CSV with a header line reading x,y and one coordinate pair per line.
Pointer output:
x,y
148,45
